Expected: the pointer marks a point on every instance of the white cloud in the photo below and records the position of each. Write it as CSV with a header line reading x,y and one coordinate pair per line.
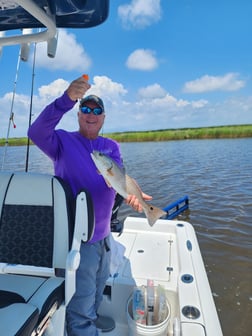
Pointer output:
x,y
105,87
140,13
154,90
155,97
228,82
70,55
142,59
53,90
199,103
154,108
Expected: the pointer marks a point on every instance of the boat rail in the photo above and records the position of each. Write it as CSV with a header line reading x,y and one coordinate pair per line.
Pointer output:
x,y
175,208
46,20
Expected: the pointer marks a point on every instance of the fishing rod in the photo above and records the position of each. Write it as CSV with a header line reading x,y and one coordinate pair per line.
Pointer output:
x,y
22,56
51,50
30,113
11,118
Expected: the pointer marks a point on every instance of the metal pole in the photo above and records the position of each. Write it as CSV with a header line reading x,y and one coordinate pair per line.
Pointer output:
x,y
30,114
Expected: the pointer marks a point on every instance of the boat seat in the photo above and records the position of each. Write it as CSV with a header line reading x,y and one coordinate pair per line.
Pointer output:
x,y
41,229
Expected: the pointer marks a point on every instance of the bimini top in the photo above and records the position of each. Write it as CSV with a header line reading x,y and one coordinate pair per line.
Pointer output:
x,y
48,15
67,13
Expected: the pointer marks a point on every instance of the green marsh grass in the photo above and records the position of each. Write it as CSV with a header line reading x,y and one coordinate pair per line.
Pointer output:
x,y
217,132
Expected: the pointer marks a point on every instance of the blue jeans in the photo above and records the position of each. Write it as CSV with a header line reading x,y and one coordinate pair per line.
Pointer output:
x,y
90,282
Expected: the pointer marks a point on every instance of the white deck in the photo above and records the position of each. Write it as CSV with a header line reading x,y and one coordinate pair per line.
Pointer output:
x,y
164,253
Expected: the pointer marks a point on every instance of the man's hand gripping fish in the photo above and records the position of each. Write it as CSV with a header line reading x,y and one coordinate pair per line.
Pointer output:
x,y
123,184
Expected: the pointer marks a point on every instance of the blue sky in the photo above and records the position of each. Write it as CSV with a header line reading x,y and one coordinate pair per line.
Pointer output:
x,y
156,64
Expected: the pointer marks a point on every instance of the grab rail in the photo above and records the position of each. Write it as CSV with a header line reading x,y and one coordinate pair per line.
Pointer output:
x,y
175,208
41,16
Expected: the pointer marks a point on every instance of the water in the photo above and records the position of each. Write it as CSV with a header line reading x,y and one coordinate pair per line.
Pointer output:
x,y
217,177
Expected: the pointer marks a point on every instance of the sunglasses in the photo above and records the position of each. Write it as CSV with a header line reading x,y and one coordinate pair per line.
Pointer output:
x,y
88,110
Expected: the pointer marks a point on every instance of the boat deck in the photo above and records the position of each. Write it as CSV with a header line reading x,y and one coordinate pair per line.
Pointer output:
x,y
167,253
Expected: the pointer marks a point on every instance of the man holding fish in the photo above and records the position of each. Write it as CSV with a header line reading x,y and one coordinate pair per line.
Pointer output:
x,y
77,157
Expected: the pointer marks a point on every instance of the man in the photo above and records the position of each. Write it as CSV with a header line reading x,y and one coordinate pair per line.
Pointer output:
x,y
70,153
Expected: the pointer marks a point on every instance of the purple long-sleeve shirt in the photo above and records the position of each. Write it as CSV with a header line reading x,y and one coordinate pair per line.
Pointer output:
x,y
70,153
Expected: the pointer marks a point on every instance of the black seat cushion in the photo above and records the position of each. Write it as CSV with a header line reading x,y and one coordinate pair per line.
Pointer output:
x,y
26,235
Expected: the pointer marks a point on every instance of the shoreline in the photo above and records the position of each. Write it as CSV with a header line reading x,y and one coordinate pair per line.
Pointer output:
x,y
213,132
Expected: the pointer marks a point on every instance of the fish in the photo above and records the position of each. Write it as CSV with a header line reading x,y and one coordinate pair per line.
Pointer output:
x,y
123,184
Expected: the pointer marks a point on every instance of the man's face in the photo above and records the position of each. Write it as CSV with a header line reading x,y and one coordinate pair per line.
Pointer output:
x,y
90,124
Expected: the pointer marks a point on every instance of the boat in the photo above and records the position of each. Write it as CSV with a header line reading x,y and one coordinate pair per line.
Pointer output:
x,y
39,245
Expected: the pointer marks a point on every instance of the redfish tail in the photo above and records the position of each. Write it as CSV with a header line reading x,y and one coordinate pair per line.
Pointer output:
x,y
153,214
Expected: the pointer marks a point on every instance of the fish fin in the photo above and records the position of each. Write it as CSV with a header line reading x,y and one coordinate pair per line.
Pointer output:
x,y
153,213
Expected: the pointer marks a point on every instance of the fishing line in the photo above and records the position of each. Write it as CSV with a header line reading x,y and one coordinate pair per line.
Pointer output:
x,y
11,111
